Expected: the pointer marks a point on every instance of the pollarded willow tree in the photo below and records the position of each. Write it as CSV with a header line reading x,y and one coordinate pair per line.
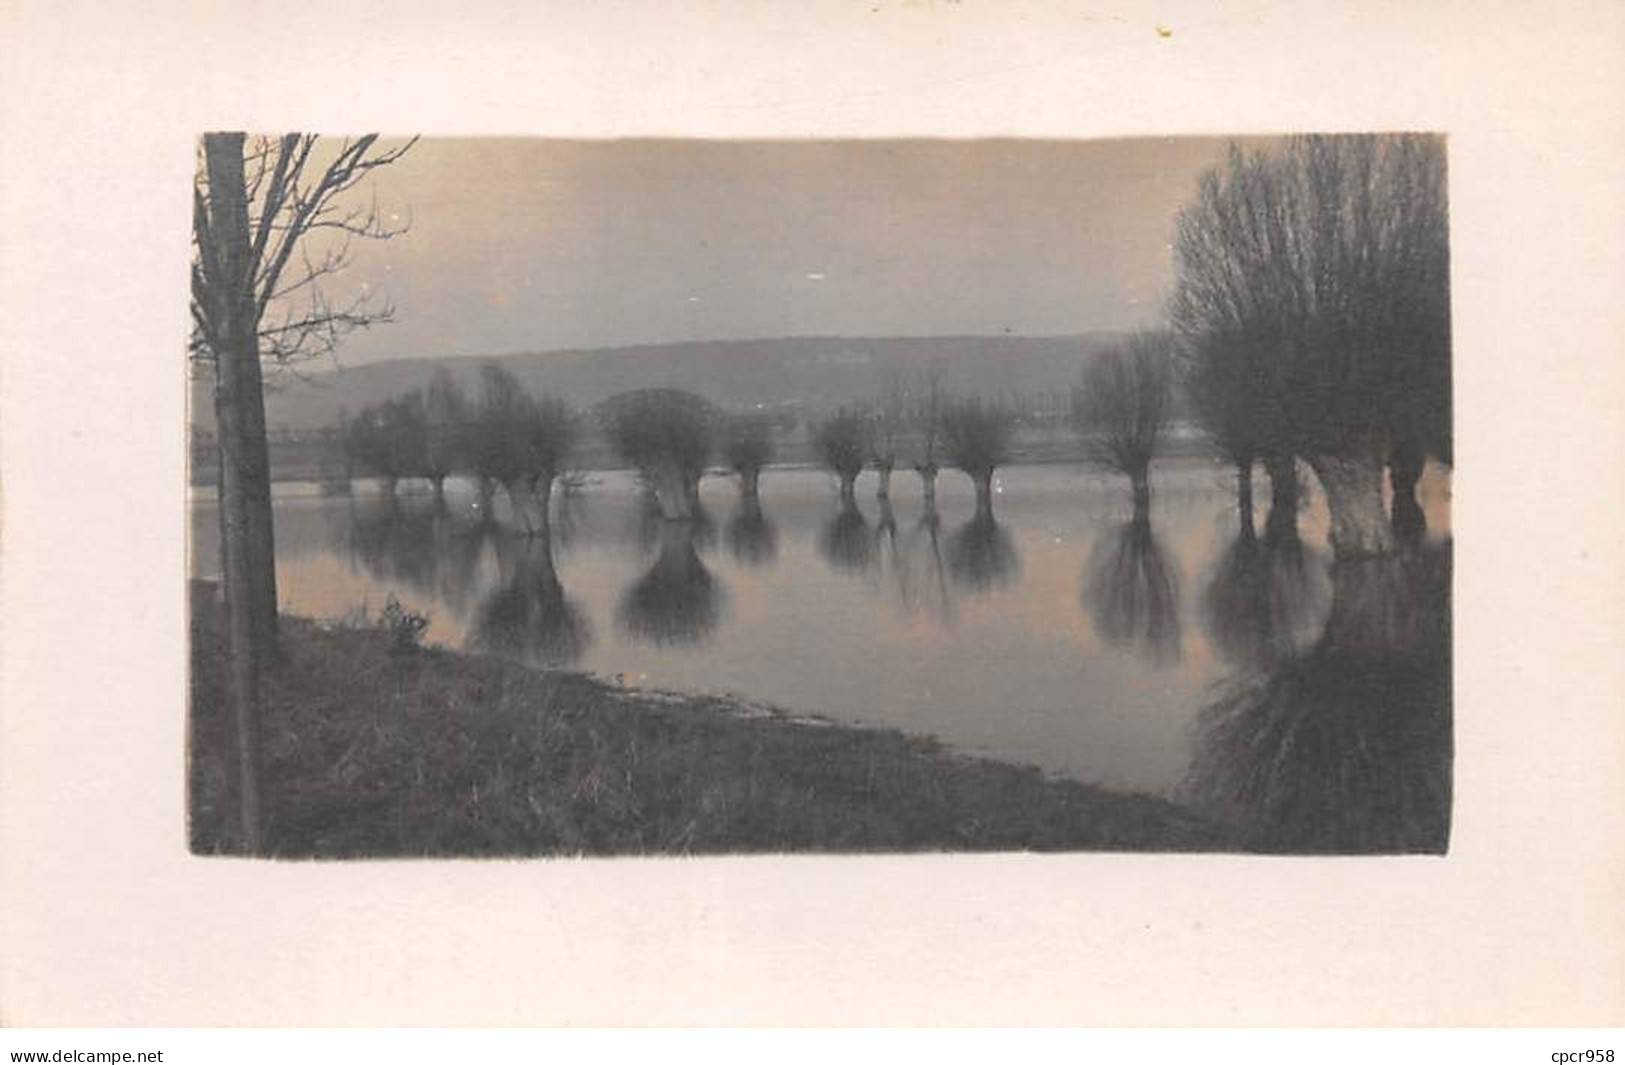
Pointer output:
x,y
1122,408
888,421
388,440
521,442
446,414
747,446
1244,423
494,452
667,435
272,219
1327,262
842,443
976,438
923,416
548,435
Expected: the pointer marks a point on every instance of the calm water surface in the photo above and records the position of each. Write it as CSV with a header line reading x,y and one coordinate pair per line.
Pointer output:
x,y
1061,633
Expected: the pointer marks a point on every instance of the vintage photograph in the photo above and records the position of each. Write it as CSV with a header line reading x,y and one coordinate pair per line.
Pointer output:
x,y
555,498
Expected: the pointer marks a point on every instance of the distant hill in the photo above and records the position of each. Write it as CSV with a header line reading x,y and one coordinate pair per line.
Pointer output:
x,y
810,373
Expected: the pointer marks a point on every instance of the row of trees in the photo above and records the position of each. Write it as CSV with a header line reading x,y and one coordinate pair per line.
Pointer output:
x,y
505,437
1310,320
1121,409
502,437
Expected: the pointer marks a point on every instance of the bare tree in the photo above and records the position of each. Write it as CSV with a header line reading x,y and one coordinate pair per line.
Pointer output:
x,y
842,442
388,440
666,434
338,461
446,414
925,422
1122,407
493,454
889,418
548,432
257,294
1327,261
976,438
519,442
747,446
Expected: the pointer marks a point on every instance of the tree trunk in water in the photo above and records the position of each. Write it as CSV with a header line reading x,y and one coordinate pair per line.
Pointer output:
x,y
1352,479
1244,497
547,574
1282,523
519,504
542,490
748,480
1141,479
439,488
984,492
928,484
246,545
848,488
883,490
691,491
1404,470
676,492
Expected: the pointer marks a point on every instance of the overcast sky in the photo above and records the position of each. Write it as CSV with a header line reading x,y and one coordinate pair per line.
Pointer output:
x,y
531,245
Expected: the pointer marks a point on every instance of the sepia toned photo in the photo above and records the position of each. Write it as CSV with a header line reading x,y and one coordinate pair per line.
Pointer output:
x,y
898,514
565,497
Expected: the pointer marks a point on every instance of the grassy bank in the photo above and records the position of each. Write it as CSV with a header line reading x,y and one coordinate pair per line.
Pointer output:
x,y
376,750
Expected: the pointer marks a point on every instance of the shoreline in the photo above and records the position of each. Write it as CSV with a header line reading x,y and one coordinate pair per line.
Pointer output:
x,y
305,461
374,747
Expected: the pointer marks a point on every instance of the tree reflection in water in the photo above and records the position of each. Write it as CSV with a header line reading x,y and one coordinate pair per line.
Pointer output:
x,y
528,617
1267,598
677,601
922,569
886,546
425,547
846,541
1133,594
569,523
752,539
1345,747
981,555
648,528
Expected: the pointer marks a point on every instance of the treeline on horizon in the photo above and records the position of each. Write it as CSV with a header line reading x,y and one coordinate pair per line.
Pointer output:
x,y
503,436
1309,322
